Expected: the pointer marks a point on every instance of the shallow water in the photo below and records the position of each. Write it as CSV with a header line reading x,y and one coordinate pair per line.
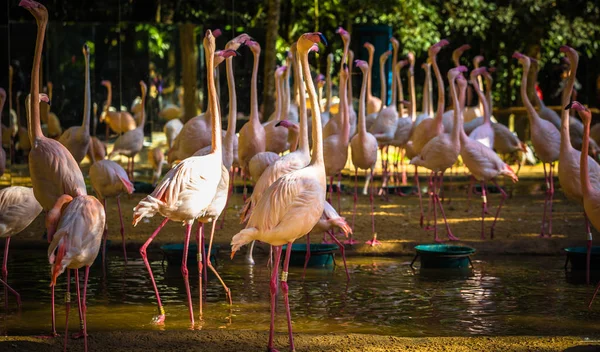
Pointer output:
x,y
503,295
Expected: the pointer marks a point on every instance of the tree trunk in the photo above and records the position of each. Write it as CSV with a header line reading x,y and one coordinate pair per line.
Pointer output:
x,y
270,58
189,56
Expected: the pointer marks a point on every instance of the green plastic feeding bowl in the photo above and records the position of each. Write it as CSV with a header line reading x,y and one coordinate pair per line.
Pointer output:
x,y
174,253
321,254
443,256
577,256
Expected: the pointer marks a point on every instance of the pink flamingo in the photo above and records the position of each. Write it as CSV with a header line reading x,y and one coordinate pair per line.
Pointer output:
x,y
569,158
118,121
364,151
131,142
76,225
484,133
188,190
429,128
18,209
334,125
97,149
483,163
252,135
77,138
276,138
53,170
546,141
110,180
589,191
439,154
373,103
448,118
293,205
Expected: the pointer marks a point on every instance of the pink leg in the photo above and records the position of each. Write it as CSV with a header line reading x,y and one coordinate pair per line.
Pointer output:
x,y
82,318
160,319
420,196
203,249
450,235
355,196
339,192
589,248
551,199
431,203
483,209
433,195
273,287
11,290
200,269
122,229
184,270
229,192
5,271
307,256
53,312
546,200
372,242
502,199
285,290
67,307
212,268
342,251
81,311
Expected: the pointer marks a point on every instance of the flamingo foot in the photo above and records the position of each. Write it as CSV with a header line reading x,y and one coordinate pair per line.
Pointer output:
x,y
326,241
351,241
429,228
78,335
49,336
451,237
159,319
438,240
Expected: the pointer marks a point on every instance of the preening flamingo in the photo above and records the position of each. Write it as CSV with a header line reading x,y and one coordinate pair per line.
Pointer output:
x,y
118,121
589,191
569,158
364,150
77,138
293,205
53,170
251,139
76,225
18,209
439,154
188,191
171,130
130,143
545,139
110,180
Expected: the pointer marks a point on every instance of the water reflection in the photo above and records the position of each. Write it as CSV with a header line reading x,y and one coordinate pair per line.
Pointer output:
x,y
499,296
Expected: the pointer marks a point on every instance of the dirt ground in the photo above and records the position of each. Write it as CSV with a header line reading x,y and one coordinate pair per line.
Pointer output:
x,y
396,221
242,341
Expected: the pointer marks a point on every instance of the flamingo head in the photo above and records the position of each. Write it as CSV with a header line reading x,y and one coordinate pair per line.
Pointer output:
x,y
453,73
477,72
288,124
209,41
329,60
435,48
571,53
86,50
106,83
395,43
320,80
238,41
53,216
370,48
584,113
44,98
343,33
254,46
383,58
477,60
362,65
400,64
143,88
411,59
228,53
37,10
280,70
307,40
523,60
216,32
457,53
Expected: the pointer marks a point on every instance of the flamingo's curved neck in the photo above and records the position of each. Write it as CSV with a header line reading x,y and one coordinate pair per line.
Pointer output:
x,y
395,86
429,91
349,91
441,98
457,132
232,120
303,143
362,124
253,91
285,107
370,74
317,129
481,96
329,87
344,113
278,97
531,113
565,138
35,127
586,185
382,79
413,94
213,101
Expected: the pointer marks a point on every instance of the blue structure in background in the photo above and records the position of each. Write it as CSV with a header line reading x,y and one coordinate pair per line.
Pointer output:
x,y
379,36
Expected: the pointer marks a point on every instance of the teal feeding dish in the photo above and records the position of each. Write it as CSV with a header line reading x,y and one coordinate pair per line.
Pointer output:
x,y
174,253
321,254
443,256
577,256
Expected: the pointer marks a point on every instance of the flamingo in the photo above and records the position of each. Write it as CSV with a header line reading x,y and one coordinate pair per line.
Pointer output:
x,y
448,117
291,162
569,158
77,138
54,127
252,135
439,154
76,225
110,180
293,204
9,132
373,103
131,142
364,150
2,153
157,160
427,102
188,190
118,121
23,141
18,209
483,163
53,170
545,139
325,115
334,125
276,138
484,133
171,111
97,149
352,117
589,191
172,129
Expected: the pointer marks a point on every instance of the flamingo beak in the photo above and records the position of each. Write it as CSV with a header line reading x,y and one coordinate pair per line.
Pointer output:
x,y
232,254
323,39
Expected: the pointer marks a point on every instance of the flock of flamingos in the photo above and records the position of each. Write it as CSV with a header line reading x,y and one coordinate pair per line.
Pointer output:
x,y
289,198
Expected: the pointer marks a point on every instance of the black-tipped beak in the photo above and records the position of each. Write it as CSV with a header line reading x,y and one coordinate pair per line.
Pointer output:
x,y
323,40
86,48
569,106
278,124
49,102
237,53
345,66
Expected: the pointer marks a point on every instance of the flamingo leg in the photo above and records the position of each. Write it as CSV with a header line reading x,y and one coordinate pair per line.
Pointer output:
x,y
431,191
67,307
483,209
342,251
81,311
273,291
545,200
160,319
5,271
366,186
589,249
432,195
372,242
203,249
339,192
502,199
229,192
185,272
285,290
200,261
53,312
355,196
551,199
212,268
449,232
307,256
11,290
122,229
420,196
